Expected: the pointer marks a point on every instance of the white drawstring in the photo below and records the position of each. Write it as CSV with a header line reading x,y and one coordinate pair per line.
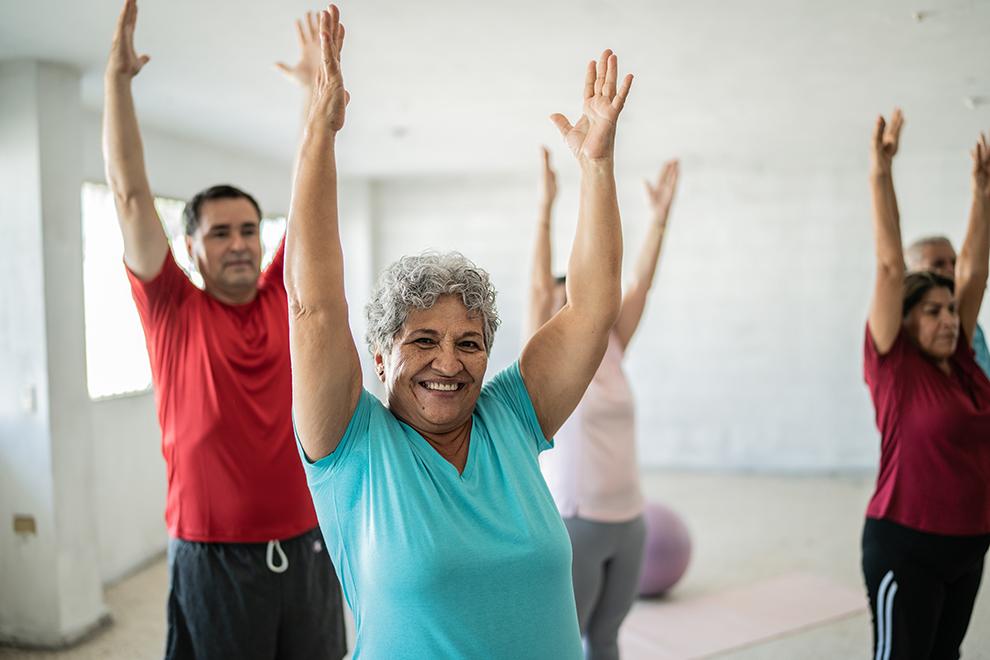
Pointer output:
x,y
283,560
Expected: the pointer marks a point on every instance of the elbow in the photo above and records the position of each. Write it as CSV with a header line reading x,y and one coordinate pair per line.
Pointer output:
x,y
611,313
891,269
320,308
127,196
972,274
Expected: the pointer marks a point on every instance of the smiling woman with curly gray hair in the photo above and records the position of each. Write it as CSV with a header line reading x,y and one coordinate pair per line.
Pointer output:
x,y
447,541
417,283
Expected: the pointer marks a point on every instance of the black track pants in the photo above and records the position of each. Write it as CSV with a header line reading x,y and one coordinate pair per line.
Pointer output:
x,y
922,588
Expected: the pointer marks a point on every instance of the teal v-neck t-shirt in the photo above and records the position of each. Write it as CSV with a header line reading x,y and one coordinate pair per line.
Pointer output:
x,y
436,564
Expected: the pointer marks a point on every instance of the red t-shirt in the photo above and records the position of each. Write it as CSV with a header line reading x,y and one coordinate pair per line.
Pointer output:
x,y
935,439
224,394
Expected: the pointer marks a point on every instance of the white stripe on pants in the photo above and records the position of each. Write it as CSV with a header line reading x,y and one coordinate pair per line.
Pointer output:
x,y
885,607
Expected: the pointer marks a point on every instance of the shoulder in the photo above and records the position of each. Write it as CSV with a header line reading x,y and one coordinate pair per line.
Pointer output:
x,y
370,421
505,406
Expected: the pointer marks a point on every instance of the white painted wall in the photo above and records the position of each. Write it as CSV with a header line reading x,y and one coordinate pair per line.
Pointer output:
x,y
50,590
749,355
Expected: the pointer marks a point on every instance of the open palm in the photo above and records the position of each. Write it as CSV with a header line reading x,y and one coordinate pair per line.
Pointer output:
x,y
981,166
593,136
661,194
124,60
329,96
304,71
886,140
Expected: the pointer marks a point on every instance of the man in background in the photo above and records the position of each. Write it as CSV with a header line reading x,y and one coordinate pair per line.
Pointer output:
x,y
249,574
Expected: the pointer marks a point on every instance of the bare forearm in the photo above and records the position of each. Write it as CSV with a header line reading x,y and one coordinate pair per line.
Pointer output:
x,y
541,273
649,254
122,149
595,266
314,263
541,269
974,257
145,242
886,223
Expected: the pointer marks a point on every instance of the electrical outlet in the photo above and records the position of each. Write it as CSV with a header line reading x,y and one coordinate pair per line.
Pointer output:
x,y
25,525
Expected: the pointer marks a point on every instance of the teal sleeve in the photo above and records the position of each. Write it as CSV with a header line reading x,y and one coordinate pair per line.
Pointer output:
x,y
509,388
355,433
981,353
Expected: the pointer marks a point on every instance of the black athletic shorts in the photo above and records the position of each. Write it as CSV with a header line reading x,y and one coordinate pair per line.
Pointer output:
x,y
267,601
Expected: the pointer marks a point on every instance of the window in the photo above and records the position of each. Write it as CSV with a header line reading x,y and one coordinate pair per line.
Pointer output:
x,y
116,356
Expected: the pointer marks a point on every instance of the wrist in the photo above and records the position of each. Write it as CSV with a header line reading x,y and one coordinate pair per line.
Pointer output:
x,y
597,166
879,173
117,79
319,131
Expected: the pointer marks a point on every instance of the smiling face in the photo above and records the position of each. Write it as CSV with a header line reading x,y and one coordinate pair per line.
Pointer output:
x,y
434,370
226,247
933,323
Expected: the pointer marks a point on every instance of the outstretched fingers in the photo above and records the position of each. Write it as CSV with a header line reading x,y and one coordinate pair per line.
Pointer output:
x,y
667,175
894,128
313,26
560,121
878,133
589,80
331,36
600,72
301,34
128,15
611,75
619,101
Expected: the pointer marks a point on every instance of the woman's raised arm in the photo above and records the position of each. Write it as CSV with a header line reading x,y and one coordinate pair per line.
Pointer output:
x,y
973,266
326,372
885,308
559,361
660,197
541,280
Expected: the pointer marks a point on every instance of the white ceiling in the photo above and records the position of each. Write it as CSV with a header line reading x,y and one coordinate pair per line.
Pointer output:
x,y
443,86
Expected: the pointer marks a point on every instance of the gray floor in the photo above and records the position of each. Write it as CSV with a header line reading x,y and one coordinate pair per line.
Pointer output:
x,y
745,529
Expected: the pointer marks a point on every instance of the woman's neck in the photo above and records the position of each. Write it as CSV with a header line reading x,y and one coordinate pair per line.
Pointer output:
x,y
451,445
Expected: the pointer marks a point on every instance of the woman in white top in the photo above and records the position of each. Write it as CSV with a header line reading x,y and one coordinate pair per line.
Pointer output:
x,y
593,474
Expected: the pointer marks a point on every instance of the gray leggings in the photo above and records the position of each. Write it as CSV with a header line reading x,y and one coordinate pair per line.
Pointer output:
x,y
607,562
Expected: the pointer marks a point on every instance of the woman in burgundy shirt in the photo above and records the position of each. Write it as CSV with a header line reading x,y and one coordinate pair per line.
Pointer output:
x,y
928,524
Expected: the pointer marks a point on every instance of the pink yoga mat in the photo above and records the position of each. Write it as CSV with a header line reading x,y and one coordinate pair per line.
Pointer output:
x,y
714,623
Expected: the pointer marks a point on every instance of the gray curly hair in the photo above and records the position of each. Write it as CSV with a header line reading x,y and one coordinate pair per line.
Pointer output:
x,y
416,282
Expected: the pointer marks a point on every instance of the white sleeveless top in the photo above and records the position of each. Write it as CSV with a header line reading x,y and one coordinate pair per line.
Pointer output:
x,y
592,471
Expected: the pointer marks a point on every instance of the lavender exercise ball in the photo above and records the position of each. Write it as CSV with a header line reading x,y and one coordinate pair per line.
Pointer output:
x,y
667,552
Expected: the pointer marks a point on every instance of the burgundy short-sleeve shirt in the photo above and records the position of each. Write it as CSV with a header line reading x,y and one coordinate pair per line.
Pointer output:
x,y
935,439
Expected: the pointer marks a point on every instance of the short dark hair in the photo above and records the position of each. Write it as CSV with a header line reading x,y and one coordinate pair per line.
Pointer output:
x,y
920,282
190,214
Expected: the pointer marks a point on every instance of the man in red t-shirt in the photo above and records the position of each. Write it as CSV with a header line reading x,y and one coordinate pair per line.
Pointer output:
x,y
249,574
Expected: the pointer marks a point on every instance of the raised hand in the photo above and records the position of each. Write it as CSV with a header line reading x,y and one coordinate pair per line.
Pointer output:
x,y
661,194
304,71
886,139
329,96
548,182
981,167
593,136
124,60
